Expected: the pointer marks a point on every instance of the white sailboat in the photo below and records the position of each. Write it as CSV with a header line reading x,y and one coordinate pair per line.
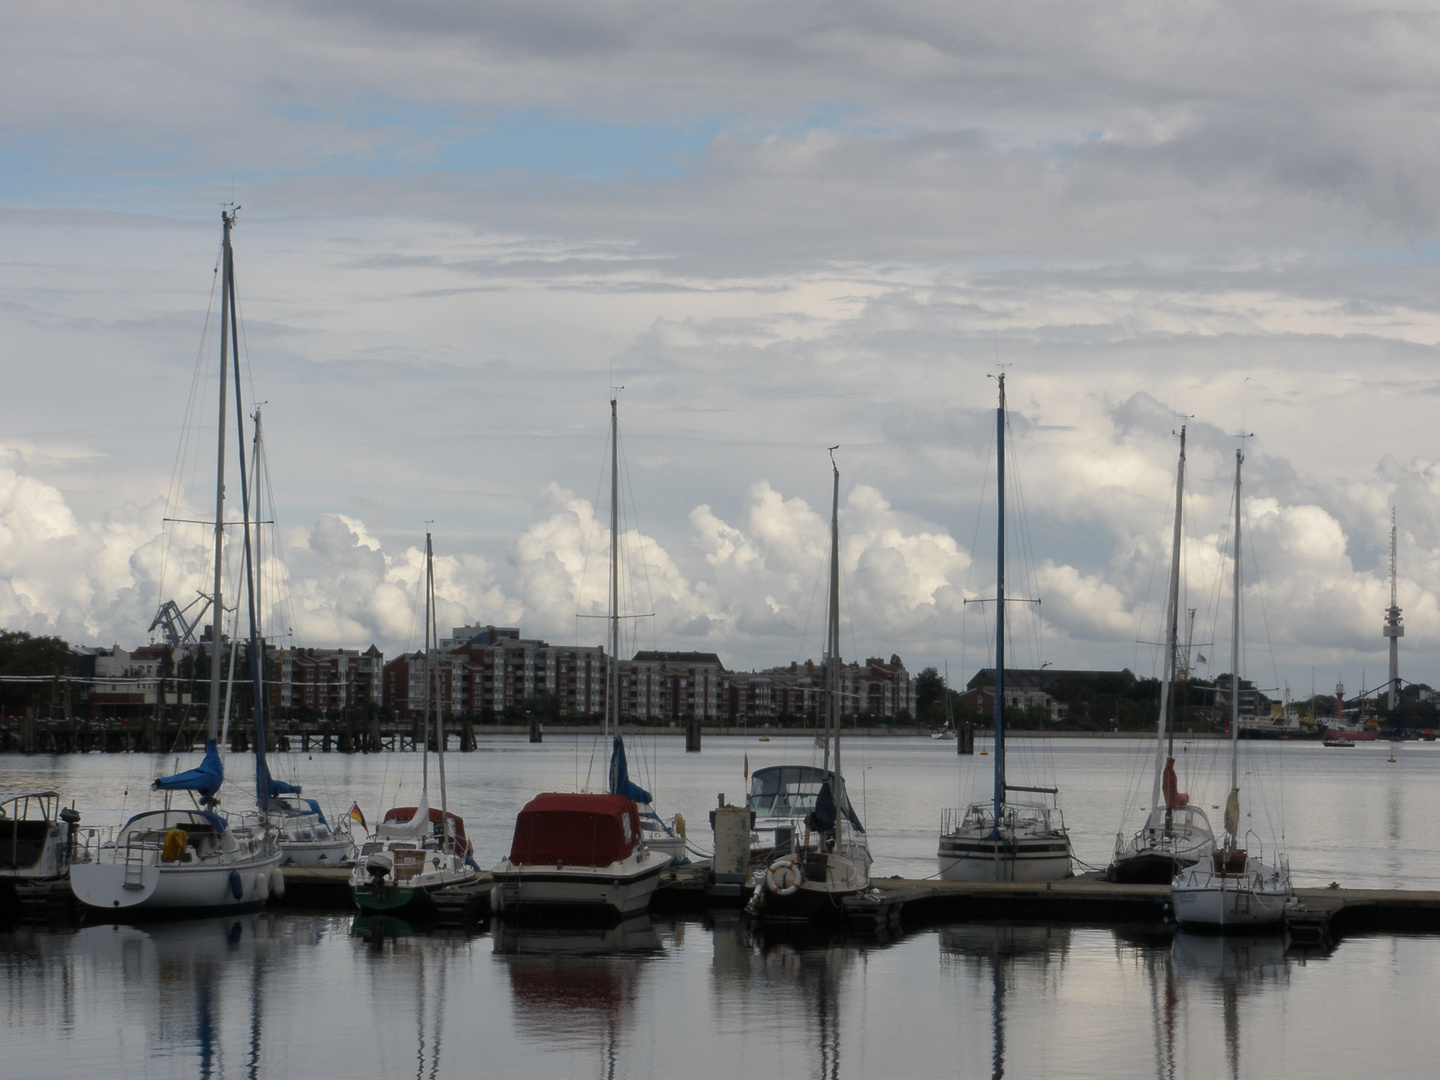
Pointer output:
x,y
1004,840
1233,888
831,861
1176,832
416,852
194,858
591,855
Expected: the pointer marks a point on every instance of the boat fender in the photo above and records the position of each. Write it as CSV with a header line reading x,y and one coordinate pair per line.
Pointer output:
x,y
784,876
262,886
277,883
174,848
680,826
237,888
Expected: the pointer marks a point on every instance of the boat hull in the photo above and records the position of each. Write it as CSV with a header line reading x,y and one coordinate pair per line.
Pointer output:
x,y
1146,868
578,893
1203,899
313,853
116,887
971,858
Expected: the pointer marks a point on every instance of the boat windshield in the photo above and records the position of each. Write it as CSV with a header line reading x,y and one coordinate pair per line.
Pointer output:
x,y
791,791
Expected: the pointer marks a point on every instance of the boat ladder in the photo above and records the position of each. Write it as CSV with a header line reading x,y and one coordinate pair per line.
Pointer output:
x,y
134,867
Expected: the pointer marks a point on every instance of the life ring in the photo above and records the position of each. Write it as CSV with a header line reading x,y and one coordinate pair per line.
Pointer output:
x,y
784,876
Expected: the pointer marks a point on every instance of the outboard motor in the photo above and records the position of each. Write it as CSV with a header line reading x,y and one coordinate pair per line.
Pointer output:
x,y
71,817
378,867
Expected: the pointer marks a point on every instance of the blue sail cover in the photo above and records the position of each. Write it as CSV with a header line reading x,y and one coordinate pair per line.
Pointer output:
x,y
205,779
280,787
620,782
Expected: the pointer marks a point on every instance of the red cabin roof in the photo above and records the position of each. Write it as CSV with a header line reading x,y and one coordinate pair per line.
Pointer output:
x,y
576,830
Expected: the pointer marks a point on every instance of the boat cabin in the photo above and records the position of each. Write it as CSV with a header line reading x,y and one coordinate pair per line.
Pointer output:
x,y
792,791
555,829
401,815
32,834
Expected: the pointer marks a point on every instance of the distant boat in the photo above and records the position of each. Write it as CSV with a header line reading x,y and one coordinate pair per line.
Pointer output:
x,y
416,852
831,859
1233,888
1176,832
1003,840
195,858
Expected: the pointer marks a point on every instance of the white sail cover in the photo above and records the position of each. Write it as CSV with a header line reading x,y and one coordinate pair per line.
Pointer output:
x,y
1232,812
419,825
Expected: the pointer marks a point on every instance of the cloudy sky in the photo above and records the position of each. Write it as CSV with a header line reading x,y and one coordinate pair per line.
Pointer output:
x,y
780,227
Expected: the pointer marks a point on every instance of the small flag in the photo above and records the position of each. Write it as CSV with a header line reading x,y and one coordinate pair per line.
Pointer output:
x,y
747,764
1202,658
357,815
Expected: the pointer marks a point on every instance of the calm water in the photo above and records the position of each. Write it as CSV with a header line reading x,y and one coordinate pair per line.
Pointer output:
x,y
301,994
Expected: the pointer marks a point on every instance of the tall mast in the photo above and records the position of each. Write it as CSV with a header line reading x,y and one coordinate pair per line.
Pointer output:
x,y
425,728
432,645
832,645
1232,819
1393,629
256,649
212,728
1172,633
1000,603
612,713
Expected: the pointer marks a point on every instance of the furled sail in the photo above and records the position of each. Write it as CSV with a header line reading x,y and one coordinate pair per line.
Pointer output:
x,y
205,779
620,782
1170,785
1232,812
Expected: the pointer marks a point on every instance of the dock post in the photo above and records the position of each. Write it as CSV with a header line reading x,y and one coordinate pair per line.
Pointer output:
x,y
692,734
537,733
965,738
467,734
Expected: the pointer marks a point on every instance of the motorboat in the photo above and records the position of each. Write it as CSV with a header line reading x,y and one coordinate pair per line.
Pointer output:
x,y
37,842
781,799
577,857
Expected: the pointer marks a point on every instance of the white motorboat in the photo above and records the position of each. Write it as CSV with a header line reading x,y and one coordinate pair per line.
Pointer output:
x,y
577,856
1176,832
1001,840
417,852
194,858
37,841
1233,887
829,860
307,838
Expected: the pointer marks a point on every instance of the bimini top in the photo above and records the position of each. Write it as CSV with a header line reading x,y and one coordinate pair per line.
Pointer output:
x,y
575,830
792,791
457,825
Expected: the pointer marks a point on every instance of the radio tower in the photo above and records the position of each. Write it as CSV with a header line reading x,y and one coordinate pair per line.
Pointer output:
x,y
1393,630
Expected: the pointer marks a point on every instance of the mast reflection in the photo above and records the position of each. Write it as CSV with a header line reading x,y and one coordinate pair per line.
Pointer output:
x,y
1001,953
1236,967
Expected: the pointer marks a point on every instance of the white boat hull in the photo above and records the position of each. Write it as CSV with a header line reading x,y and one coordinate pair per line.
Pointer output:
x,y
334,851
1258,897
114,886
618,890
965,857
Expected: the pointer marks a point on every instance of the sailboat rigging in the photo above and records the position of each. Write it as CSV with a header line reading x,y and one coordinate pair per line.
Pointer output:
x,y
1176,832
1233,887
810,883
1003,840
197,858
418,855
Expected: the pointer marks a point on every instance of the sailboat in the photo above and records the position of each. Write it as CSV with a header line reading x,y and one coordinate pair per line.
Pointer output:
x,y
307,838
1003,840
195,858
416,852
811,883
1176,833
588,855
1233,887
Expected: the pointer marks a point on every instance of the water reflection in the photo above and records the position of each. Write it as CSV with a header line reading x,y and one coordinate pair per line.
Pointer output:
x,y
1235,967
1030,958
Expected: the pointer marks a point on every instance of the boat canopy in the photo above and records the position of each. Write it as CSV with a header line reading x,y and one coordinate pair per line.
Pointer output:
x,y
792,791
408,814
205,779
218,823
620,782
310,805
575,830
